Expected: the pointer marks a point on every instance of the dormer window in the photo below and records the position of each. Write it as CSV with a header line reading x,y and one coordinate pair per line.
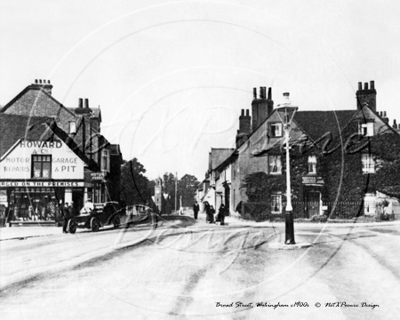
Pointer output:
x,y
366,129
276,130
72,127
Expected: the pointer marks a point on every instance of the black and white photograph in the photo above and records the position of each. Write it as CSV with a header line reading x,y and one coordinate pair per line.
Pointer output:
x,y
199,159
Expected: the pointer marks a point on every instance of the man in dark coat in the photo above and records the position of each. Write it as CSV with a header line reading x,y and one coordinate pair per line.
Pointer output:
x,y
67,215
196,209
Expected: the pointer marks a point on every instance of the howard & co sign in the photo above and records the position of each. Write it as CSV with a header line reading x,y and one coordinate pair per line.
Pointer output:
x,y
65,164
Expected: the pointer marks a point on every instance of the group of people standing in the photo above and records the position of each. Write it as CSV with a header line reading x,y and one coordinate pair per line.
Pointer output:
x,y
210,211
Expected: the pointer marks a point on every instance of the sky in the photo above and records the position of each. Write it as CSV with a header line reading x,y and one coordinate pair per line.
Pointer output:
x,y
171,77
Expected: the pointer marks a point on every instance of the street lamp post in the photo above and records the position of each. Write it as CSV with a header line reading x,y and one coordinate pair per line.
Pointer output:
x,y
288,114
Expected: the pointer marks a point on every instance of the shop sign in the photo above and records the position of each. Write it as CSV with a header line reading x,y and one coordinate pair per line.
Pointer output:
x,y
65,164
97,175
313,180
41,183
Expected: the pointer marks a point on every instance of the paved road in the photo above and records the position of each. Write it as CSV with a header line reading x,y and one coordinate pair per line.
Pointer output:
x,y
193,270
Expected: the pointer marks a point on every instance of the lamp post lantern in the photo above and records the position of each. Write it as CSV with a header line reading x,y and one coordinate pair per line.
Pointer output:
x,y
286,114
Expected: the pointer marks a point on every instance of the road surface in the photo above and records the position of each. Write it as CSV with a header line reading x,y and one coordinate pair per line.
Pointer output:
x,y
193,270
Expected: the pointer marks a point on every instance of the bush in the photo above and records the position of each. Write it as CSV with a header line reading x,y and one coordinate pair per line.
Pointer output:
x,y
319,218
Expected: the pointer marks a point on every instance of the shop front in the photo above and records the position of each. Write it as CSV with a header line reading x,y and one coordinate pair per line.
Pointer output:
x,y
37,179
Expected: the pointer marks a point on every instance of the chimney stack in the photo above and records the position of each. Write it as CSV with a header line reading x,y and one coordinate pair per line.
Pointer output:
x,y
262,107
42,84
366,96
244,128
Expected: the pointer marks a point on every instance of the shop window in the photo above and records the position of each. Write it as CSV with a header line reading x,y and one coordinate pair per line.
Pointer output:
x,y
276,203
72,127
41,166
105,160
312,164
275,164
368,163
276,129
366,129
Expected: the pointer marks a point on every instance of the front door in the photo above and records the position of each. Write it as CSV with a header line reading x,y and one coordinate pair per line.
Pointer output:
x,y
312,203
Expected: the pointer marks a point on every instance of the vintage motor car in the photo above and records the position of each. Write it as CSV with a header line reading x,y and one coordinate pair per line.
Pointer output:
x,y
108,213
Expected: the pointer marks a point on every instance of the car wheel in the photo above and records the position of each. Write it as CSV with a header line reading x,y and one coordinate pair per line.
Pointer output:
x,y
116,221
72,226
95,225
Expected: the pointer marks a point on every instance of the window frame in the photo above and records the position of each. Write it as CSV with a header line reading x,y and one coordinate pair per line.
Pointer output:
x,y
366,129
105,153
277,196
270,166
367,163
72,125
312,164
49,162
273,131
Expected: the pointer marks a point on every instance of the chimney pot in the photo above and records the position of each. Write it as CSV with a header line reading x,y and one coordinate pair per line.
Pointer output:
x,y
80,103
261,92
247,113
359,86
372,83
366,86
384,114
36,80
269,93
242,112
255,93
87,103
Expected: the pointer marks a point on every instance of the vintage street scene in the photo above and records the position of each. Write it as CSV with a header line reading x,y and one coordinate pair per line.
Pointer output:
x,y
199,160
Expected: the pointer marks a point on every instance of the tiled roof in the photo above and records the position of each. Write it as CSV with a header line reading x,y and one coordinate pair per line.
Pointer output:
x,y
316,123
36,102
13,128
217,156
96,112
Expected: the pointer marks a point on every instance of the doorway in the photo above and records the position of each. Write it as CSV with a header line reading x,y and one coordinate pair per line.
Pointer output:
x,y
312,203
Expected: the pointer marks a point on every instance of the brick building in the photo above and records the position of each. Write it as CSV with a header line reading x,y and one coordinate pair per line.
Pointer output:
x,y
65,156
344,163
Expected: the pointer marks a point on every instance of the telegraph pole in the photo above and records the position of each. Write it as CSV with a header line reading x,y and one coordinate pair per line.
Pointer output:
x,y
176,190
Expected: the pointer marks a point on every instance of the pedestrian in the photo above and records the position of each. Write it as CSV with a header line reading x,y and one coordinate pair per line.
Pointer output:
x,y
71,209
221,214
67,216
196,209
210,214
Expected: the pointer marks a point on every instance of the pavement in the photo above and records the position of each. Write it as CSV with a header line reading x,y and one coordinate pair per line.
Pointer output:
x,y
23,232
9,233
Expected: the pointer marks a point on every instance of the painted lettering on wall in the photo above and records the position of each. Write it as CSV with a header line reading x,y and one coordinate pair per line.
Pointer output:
x,y
65,164
41,144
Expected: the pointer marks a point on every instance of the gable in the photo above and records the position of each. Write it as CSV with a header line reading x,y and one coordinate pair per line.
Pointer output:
x,y
36,102
17,163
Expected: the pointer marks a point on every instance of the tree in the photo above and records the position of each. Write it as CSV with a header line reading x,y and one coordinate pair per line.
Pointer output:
x,y
136,188
187,187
